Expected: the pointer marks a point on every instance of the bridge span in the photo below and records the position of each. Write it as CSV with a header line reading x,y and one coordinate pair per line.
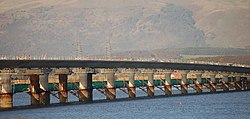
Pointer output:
x,y
117,64
191,76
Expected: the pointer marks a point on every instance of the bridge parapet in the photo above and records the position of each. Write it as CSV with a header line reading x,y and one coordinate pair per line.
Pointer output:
x,y
83,70
185,72
129,70
59,71
7,71
28,72
211,72
197,72
148,71
106,71
166,71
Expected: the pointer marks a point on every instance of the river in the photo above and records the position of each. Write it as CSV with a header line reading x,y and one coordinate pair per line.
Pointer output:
x,y
232,105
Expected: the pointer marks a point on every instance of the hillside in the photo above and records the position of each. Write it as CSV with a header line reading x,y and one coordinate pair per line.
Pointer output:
x,y
186,53
224,22
226,59
51,27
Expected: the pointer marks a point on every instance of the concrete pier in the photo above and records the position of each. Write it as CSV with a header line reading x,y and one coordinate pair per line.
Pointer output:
x,y
183,82
131,83
63,80
6,94
225,82
63,89
198,85
247,82
36,92
237,82
212,82
150,86
44,85
84,76
34,89
110,90
168,85
244,82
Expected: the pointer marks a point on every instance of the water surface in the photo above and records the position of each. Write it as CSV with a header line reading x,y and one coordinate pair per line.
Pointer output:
x,y
233,105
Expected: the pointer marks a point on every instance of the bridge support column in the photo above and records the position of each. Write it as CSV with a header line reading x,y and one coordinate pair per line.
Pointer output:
x,y
63,89
212,82
85,84
6,94
183,82
34,90
168,86
110,89
37,93
244,83
248,82
150,86
44,85
237,83
63,81
131,83
198,85
225,82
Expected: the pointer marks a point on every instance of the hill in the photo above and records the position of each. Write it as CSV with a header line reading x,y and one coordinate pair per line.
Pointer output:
x,y
55,27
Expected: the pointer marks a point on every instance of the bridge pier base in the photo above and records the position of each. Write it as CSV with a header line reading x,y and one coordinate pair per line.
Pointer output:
x,y
132,92
6,101
131,83
34,90
39,94
110,93
247,82
198,85
110,90
237,83
212,82
6,95
85,85
150,86
63,81
168,86
38,86
63,89
45,98
44,85
183,82
150,90
225,86
244,84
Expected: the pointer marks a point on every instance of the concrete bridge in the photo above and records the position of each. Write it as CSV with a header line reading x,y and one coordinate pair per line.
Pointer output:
x,y
38,72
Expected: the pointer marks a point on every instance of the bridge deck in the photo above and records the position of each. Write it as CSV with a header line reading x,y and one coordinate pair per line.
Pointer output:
x,y
117,64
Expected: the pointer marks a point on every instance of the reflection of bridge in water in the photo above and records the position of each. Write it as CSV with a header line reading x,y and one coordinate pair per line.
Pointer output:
x,y
196,76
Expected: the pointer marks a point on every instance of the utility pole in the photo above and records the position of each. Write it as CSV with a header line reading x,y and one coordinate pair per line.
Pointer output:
x,y
108,48
78,46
